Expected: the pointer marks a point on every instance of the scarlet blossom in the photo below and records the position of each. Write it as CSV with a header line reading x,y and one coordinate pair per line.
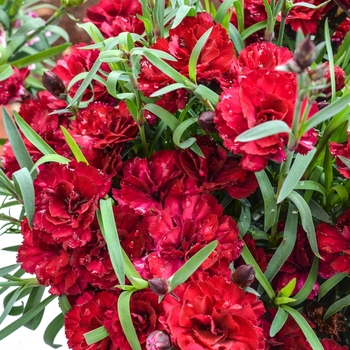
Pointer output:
x,y
80,61
289,337
12,89
115,17
145,312
214,60
217,171
261,95
87,314
186,225
339,76
66,201
343,150
329,344
145,183
213,313
341,32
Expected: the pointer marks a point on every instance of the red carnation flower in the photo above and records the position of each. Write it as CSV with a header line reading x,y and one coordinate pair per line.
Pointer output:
x,y
115,17
329,344
260,96
87,314
66,201
217,171
343,150
215,58
186,225
12,89
145,312
341,32
80,61
339,75
213,313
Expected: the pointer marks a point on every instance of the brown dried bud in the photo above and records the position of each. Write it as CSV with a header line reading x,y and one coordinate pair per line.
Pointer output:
x,y
159,286
158,340
305,53
243,276
53,84
206,121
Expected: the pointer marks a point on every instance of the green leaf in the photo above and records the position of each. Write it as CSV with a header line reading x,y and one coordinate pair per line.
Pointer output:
x,y
23,180
207,94
111,236
318,212
158,53
271,127
306,220
305,327
73,146
33,301
249,259
112,81
64,303
168,88
7,269
6,71
10,303
236,38
337,306
283,300
288,289
244,218
179,131
326,113
278,322
299,166
191,265
222,10
50,158
126,321
96,335
182,12
158,16
32,136
253,29
330,284
93,31
40,56
29,25
132,274
310,185
52,330
327,37
17,144
192,65
270,205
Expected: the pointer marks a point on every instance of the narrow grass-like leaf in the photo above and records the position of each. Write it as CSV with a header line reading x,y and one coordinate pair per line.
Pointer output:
x,y
112,81
278,322
326,113
306,220
192,65
222,10
96,335
158,53
318,212
244,219
126,321
24,181
249,259
132,109
50,158
191,265
205,93
7,269
179,131
271,127
236,38
93,31
64,303
158,15
346,161
286,246
5,71
288,289
40,56
337,306
111,236
270,205
310,185
327,38
32,136
18,147
308,285
31,24
330,284
52,330
305,327
169,88
10,303
297,170
132,274
163,114
73,146
32,302
253,29
182,12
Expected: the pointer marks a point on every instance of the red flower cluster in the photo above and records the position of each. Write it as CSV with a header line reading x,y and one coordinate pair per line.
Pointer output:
x,y
12,88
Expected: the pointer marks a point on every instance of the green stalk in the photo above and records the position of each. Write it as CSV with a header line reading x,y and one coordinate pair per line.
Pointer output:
x,y
281,31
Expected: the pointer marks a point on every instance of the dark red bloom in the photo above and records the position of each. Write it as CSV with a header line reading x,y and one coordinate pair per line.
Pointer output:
x,y
213,313
329,344
343,150
260,96
145,312
115,17
12,89
89,313
66,200
214,60
186,225
80,61
217,171
339,75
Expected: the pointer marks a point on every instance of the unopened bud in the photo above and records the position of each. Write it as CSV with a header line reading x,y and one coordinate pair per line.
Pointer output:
x,y
305,53
318,72
243,276
71,3
53,84
159,286
206,121
158,340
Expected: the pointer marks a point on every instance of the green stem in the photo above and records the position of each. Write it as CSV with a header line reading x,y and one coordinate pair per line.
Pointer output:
x,y
281,31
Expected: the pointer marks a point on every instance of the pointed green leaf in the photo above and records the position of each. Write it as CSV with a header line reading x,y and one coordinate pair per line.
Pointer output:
x,y
52,330
330,284
182,12
7,269
50,158
73,146
236,38
287,290
64,303
337,306
93,31
179,131
278,322
223,9
6,71
283,300
169,88
32,302
10,303
253,29
96,335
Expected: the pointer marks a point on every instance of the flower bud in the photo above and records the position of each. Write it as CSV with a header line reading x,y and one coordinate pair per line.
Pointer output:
x,y
206,121
317,73
53,84
159,286
243,276
305,53
158,340
71,3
